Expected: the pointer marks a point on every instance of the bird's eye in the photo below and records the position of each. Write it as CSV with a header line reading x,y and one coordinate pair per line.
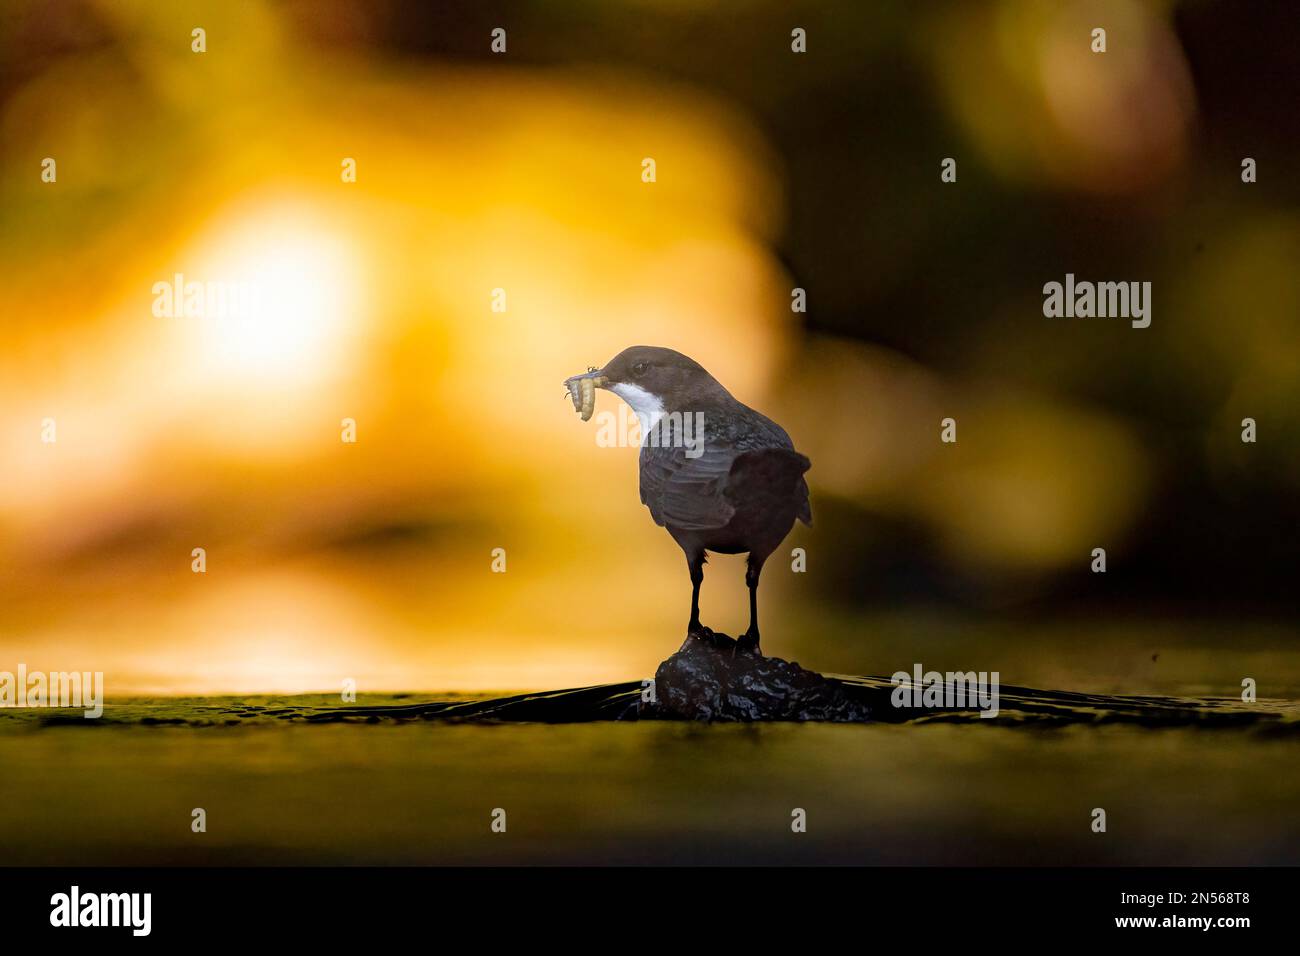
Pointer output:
x,y
639,368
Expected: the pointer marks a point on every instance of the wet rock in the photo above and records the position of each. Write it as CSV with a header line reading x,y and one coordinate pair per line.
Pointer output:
x,y
711,678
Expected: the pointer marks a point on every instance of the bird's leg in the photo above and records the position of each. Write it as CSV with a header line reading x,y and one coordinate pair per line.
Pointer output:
x,y
749,640
696,563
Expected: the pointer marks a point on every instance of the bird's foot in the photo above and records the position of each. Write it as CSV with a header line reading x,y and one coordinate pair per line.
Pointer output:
x,y
705,634
747,643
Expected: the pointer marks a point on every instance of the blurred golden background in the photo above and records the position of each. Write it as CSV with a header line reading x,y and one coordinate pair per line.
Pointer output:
x,y
521,172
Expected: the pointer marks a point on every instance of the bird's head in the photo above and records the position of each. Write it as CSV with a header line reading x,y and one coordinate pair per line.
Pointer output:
x,y
650,379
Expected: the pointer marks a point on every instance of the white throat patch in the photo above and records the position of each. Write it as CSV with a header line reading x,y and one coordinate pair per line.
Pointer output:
x,y
648,408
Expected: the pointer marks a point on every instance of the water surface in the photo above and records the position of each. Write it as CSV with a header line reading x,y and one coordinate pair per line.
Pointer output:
x,y
414,779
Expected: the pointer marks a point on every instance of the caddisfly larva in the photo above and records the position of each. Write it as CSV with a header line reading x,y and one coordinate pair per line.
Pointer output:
x,y
582,392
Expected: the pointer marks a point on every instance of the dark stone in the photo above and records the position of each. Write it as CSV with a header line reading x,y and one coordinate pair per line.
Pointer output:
x,y
713,678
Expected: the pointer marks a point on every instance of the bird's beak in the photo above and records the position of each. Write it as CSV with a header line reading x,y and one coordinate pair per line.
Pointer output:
x,y
582,390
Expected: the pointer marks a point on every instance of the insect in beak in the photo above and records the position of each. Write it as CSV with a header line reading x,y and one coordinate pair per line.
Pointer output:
x,y
582,391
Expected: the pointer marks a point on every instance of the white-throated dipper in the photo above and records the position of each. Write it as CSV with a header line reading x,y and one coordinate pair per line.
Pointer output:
x,y
715,473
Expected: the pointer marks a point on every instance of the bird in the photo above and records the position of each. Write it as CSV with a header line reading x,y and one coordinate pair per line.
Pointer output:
x,y
717,475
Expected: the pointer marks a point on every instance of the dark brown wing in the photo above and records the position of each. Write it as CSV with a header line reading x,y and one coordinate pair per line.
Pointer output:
x,y
685,492
769,481
702,493
746,457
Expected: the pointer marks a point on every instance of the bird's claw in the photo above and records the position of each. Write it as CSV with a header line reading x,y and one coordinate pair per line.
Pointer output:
x,y
748,644
702,633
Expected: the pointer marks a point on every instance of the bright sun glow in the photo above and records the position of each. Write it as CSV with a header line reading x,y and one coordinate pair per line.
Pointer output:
x,y
278,294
